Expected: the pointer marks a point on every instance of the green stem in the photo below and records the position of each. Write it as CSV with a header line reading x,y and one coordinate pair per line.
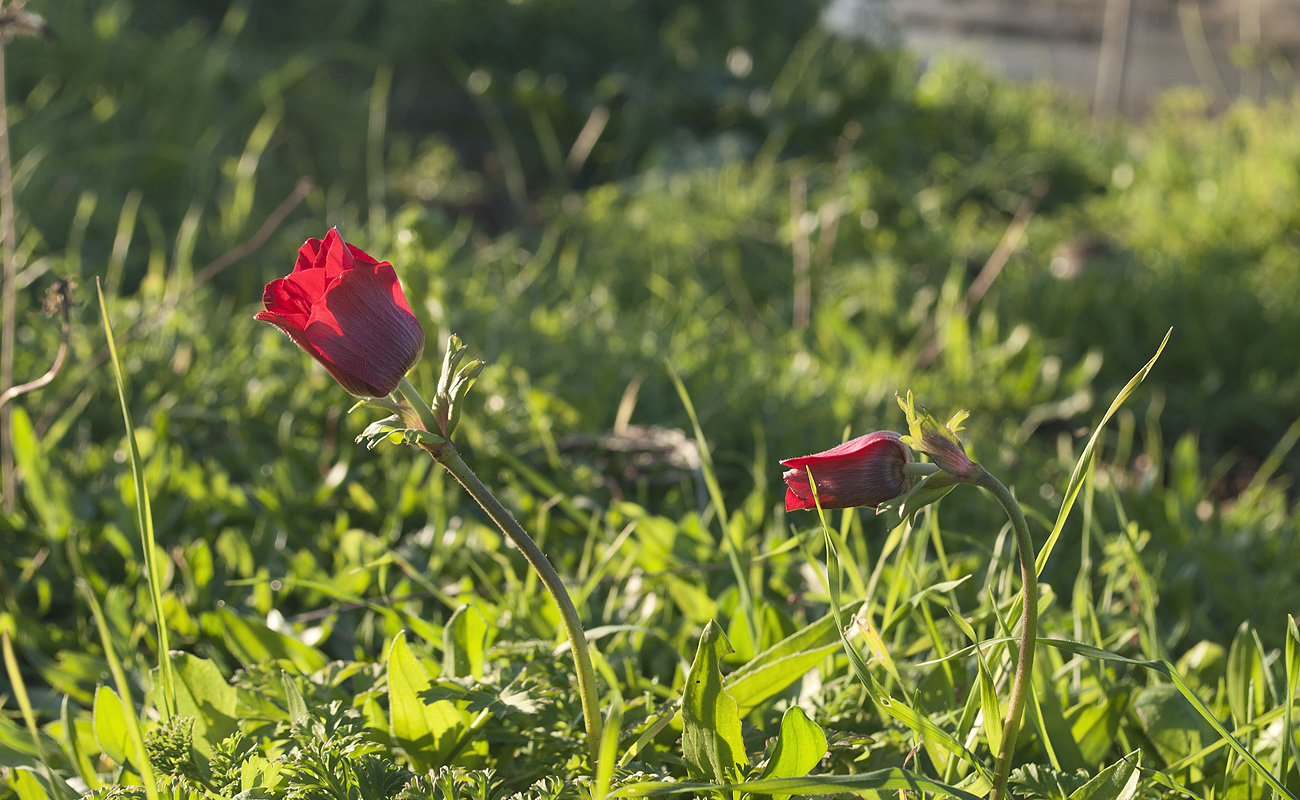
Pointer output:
x,y
920,469
416,403
1028,628
449,458
447,455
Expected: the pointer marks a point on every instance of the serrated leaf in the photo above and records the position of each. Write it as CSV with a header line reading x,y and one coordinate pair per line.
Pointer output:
x,y
426,731
393,429
711,740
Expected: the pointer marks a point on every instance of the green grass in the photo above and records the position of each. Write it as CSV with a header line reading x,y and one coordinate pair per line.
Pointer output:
x,y
291,563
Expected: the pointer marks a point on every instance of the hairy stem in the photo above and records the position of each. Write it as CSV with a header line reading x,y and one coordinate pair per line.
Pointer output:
x,y
449,458
447,455
1028,628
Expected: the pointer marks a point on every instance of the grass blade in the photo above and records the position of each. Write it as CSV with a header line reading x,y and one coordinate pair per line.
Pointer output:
x,y
1292,678
144,520
1085,459
25,705
1168,670
866,784
715,494
899,710
123,692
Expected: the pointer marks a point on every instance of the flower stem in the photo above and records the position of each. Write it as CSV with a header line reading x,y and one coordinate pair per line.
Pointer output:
x,y
1028,628
447,455
416,403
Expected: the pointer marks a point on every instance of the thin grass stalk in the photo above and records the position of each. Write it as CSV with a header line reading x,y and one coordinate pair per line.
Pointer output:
x,y
144,520
8,298
25,706
133,732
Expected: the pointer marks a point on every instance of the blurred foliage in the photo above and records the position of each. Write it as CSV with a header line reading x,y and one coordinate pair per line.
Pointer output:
x,y
153,137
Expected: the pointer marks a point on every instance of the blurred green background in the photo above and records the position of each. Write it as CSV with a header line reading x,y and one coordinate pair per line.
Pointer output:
x,y
586,192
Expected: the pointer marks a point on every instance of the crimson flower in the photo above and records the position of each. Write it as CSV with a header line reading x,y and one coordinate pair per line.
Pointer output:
x,y
348,312
865,471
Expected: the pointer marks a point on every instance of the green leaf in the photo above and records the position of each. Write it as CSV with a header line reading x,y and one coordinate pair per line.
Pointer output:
x,y
1170,723
1096,726
800,746
990,705
1119,781
783,663
711,740
464,644
1245,677
45,491
204,694
426,731
252,643
297,706
29,785
110,725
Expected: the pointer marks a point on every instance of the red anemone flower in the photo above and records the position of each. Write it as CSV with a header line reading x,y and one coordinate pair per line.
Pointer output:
x,y
865,471
348,312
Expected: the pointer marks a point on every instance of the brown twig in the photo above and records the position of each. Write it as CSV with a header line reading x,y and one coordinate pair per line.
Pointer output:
x,y
989,273
58,301
9,303
273,220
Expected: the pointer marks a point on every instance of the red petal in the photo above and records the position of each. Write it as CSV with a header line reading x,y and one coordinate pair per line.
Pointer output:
x,y
307,255
366,329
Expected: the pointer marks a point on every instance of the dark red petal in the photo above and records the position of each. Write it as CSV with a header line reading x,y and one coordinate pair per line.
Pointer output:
x,y
307,255
336,257
850,448
793,502
363,331
360,255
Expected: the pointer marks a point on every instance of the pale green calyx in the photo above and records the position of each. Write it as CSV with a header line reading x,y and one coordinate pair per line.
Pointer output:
x,y
937,440
453,385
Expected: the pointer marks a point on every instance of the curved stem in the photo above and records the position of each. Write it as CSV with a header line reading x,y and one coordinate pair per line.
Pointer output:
x,y
1028,628
447,455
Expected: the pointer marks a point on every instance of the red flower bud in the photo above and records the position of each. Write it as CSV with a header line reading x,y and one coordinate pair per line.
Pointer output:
x,y
865,471
348,312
